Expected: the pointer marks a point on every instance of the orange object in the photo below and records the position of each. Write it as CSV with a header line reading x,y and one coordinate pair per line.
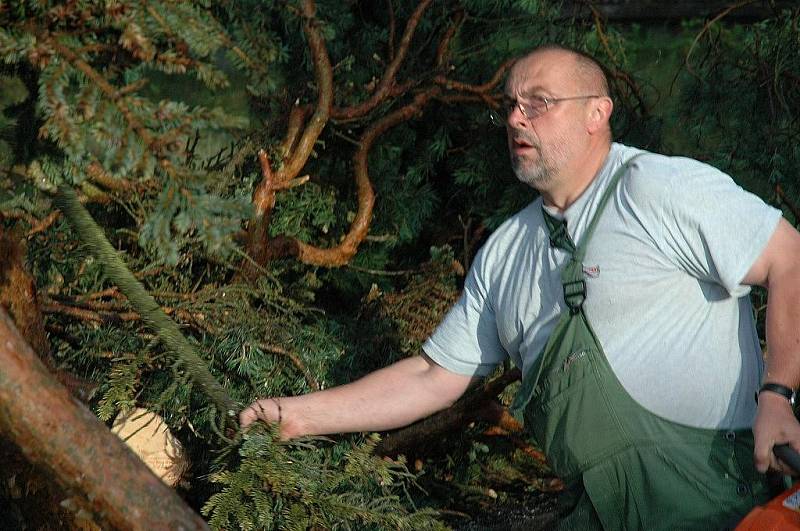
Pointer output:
x,y
780,514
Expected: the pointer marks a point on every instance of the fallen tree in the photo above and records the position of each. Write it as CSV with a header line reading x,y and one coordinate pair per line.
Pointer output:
x,y
56,432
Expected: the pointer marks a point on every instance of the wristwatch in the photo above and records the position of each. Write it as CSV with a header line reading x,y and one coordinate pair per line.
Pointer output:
x,y
782,390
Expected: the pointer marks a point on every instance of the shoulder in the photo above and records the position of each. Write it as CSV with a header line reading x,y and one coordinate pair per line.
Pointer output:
x,y
654,179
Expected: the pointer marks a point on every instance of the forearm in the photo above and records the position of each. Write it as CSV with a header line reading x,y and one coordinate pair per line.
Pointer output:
x,y
395,396
778,269
782,330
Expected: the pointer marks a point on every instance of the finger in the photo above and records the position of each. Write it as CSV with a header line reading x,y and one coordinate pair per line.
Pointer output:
x,y
251,413
764,458
246,417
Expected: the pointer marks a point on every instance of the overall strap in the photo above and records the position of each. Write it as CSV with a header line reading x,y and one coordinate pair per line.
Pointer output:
x,y
572,275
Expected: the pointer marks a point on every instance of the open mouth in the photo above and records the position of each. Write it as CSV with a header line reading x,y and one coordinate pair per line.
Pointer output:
x,y
520,145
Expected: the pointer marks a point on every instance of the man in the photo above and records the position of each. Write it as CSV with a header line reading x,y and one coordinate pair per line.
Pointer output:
x,y
622,294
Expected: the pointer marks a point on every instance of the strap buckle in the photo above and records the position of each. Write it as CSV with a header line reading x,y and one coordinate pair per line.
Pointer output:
x,y
575,294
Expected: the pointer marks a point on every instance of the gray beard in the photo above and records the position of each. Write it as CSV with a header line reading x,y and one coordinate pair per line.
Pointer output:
x,y
537,175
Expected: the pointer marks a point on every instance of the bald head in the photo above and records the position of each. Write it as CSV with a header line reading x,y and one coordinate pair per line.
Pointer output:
x,y
557,122
584,70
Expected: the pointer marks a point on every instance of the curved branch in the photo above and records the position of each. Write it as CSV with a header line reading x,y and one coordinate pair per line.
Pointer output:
x,y
450,84
342,253
388,79
296,118
444,44
323,73
706,27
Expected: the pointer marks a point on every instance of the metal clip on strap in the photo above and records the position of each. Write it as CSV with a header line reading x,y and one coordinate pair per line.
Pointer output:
x,y
575,294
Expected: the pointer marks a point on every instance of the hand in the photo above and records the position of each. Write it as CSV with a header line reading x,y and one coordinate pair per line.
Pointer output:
x,y
775,424
267,410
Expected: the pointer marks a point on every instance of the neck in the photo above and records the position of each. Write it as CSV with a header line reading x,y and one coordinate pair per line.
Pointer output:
x,y
573,180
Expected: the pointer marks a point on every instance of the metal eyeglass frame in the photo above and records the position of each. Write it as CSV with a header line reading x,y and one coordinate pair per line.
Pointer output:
x,y
528,110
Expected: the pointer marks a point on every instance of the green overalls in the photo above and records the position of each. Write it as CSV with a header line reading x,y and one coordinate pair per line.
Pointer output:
x,y
625,467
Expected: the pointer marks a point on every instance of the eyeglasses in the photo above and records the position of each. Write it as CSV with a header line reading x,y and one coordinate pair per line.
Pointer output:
x,y
537,106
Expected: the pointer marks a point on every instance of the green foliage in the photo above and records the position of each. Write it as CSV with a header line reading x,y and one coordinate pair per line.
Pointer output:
x,y
190,213
284,486
12,92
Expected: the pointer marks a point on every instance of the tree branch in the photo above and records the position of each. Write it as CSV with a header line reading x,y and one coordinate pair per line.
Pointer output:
x,y
387,81
342,253
392,28
484,88
323,74
296,118
442,51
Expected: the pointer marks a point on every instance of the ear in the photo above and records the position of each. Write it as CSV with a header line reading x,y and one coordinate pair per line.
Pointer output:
x,y
599,115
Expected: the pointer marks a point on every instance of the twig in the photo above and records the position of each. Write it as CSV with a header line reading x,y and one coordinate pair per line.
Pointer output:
x,y
382,272
483,88
392,28
295,359
443,49
43,225
706,27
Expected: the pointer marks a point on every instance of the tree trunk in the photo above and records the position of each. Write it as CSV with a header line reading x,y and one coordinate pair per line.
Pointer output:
x,y
57,433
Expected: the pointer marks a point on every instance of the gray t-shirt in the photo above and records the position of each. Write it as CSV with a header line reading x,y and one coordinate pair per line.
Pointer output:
x,y
664,293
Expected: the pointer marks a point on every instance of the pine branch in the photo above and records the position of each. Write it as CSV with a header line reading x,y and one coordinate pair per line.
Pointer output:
x,y
143,302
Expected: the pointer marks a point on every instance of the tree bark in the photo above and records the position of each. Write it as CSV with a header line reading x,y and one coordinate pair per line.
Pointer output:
x,y
57,433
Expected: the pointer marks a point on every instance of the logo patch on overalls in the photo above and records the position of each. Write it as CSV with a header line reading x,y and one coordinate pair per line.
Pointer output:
x,y
572,358
592,271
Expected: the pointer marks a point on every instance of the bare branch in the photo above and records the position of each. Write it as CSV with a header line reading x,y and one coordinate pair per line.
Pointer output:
x,y
323,72
443,50
342,253
387,81
296,118
450,84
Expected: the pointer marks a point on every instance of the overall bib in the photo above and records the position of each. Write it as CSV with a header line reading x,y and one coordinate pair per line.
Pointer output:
x,y
625,467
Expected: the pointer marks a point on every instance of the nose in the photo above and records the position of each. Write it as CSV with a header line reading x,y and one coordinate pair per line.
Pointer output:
x,y
516,119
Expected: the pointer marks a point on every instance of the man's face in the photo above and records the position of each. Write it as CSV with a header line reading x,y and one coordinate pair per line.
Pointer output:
x,y
541,148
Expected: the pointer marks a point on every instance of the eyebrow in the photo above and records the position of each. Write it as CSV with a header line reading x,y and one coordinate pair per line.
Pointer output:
x,y
537,91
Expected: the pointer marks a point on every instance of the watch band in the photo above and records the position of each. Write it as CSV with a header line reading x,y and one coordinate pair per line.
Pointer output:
x,y
782,390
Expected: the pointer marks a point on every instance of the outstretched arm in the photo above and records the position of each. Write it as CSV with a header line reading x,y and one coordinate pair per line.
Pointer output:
x,y
391,397
778,268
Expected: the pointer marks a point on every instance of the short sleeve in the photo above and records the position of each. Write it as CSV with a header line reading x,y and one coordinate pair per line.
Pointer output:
x,y
466,341
709,226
